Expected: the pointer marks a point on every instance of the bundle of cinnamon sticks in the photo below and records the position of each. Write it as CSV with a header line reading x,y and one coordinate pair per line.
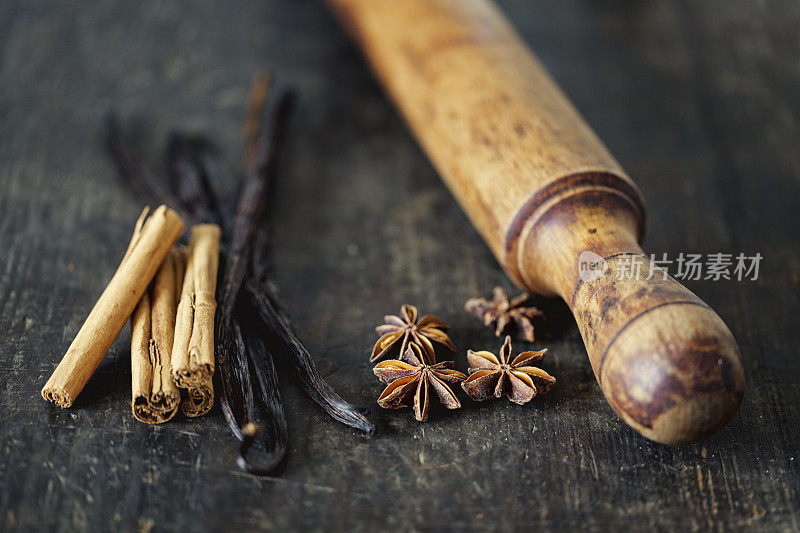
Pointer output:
x,y
168,292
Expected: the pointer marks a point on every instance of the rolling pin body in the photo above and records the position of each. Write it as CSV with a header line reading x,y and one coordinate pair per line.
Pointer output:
x,y
544,192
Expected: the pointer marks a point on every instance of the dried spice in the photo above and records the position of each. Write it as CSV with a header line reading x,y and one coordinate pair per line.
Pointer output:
x,y
491,376
412,378
268,308
198,189
404,329
155,398
152,240
260,295
204,190
270,398
193,348
503,314
133,171
198,399
253,113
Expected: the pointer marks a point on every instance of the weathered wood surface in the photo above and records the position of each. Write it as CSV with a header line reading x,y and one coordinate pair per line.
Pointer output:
x,y
700,103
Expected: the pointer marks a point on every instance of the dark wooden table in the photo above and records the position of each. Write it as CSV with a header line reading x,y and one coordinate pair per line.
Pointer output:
x,y
700,101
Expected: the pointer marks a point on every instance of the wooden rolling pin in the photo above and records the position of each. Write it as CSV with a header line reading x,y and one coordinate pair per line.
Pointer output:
x,y
542,189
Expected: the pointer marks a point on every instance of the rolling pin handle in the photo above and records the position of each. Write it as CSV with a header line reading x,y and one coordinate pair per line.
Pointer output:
x,y
665,361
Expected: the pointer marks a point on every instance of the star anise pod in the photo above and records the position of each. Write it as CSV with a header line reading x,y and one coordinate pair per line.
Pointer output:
x,y
518,380
501,313
407,330
411,378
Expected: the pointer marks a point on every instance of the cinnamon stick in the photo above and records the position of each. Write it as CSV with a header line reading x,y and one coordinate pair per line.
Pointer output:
x,y
151,242
155,398
181,257
198,399
193,351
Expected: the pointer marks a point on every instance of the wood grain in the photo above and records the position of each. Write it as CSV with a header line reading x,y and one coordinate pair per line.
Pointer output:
x,y
698,100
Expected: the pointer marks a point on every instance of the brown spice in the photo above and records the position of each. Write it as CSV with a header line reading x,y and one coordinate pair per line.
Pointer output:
x,y
504,315
152,240
198,399
407,330
491,376
155,397
193,353
413,378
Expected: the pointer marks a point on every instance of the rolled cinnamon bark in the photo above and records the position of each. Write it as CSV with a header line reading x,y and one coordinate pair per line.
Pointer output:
x,y
193,351
155,398
198,399
151,242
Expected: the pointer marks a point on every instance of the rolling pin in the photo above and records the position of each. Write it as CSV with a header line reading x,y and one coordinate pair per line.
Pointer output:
x,y
554,206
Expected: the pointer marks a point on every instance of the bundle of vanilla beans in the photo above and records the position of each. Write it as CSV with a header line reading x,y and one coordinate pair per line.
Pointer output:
x,y
177,309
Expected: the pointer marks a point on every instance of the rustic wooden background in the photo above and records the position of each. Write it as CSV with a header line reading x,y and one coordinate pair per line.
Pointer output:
x,y
700,101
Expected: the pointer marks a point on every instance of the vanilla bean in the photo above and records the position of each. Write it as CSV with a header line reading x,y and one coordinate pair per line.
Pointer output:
x,y
217,177
251,228
254,112
187,181
252,205
270,398
133,171
236,398
262,298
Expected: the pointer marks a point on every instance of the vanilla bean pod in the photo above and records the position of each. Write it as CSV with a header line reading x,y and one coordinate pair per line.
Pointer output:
x,y
266,303
132,170
235,356
270,398
217,177
251,227
252,205
237,398
262,294
187,180
305,369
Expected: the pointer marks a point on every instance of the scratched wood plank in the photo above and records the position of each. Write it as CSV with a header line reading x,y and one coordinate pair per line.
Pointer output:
x,y
700,102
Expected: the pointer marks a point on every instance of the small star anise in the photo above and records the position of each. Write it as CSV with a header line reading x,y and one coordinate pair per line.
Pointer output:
x,y
411,378
408,330
518,380
501,313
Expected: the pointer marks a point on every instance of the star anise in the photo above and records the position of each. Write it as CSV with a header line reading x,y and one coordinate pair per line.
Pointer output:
x,y
411,378
407,330
501,313
518,380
